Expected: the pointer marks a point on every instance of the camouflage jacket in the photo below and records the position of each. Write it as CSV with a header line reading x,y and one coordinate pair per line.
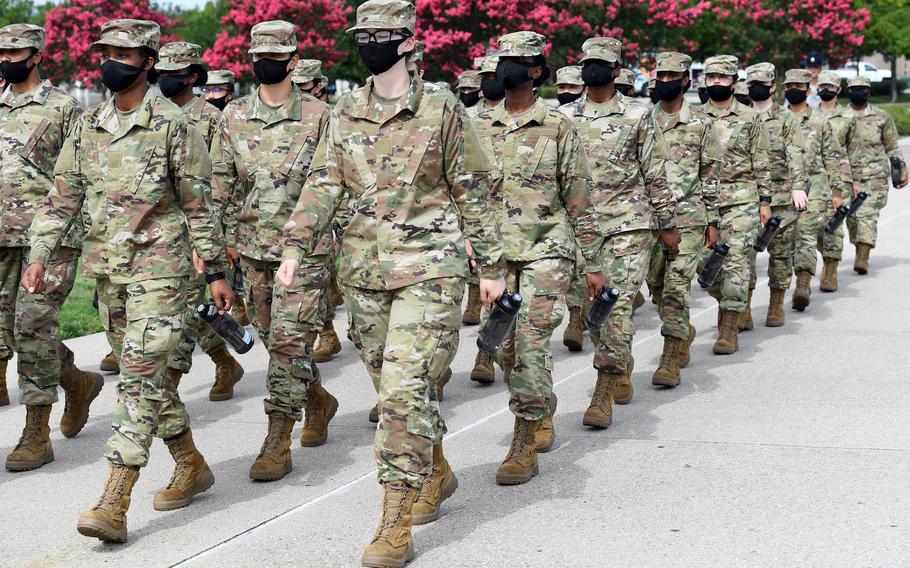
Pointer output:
x,y
542,196
267,153
745,173
146,190
32,129
877,137
413,179
786,145
826,160
843,125
627,156
694,155
209,121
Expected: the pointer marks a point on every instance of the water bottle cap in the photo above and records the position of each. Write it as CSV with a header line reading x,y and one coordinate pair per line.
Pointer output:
x,y
202,308
722,248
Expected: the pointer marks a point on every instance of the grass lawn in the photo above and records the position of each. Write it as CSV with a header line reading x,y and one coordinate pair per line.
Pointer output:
x,y
78,317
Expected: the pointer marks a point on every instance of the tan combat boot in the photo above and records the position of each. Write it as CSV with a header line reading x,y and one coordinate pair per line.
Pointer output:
x,y
329,345
520,464
829,276
637,302
80,389
728,340
110,363
657,294
311,340
438,487
802,292
600,413
574,337
546,433
4,394
776,308
685,347
667,373
34,448
744,322
483,371
320,409
472,311
861,262
107,520
622,389
392,544
191,476
374,414
228,373
442,381
274,461
238,311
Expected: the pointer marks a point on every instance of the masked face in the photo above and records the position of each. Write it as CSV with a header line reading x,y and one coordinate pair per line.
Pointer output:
x,y
597,73
759,92
859,95
566,98
514,74
118,76
720,93
624,90
271,71
827,94
16,71
669,90
795,96
219,103
493,89
469,99
703,95
172,85
380,57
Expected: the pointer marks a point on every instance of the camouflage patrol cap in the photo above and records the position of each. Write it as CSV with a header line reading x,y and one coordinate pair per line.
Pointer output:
x,y
178,55
829,78
741,89
478,62
673,61
275,36
130,33
489,64
416,56
859,81
469,79
385,15
603,48
626,77
19,36
307,70
763,71
521,44
220,77
569,75
722,65
802,76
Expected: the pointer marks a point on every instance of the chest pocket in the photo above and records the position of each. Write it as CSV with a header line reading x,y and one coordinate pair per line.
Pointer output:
x,y
42,147
296,164
418,171
730,136
609,141
543,161
150,176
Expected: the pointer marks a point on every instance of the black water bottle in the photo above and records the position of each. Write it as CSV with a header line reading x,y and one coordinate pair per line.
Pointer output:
x,y
601,308
857,202
237,280
767,233
499,324
835,222
712,267
227,327
897,166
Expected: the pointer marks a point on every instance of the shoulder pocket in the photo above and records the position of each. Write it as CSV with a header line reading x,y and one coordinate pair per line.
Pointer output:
x,y
142,167
42,148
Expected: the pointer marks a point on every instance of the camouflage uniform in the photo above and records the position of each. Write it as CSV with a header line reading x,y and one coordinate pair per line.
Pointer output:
x,y
694,153
745,180
469,79
33,126
630,195
267,153
486,65
147,193
308,70
626,79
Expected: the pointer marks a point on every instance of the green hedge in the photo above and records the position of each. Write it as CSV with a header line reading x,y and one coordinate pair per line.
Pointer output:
x,y
901,116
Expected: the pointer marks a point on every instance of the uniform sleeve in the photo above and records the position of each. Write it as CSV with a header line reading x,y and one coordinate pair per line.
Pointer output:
x,y
63,203
191,168
224,176
837,166
575,187
890,137
710,160
761,161
652,156
469,175
797,160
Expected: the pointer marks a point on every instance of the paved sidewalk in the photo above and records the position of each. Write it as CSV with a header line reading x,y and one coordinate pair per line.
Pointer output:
x,y
793,452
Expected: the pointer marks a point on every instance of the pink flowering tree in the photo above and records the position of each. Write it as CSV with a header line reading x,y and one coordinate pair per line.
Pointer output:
x,y
72,27
320,24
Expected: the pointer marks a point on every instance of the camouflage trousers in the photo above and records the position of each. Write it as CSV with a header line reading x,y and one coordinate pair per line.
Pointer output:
x,y
626,257
195,331
809,230
407,338
781,249
148,406
577,295
283,317
863,228
738,229
29,322
330,292
675,280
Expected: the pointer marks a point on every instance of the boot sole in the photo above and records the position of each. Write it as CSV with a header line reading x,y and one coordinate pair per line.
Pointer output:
x,y
725,350
483,378
470,321
30,465
327,358
660,381
623,401
516,479
201,486
388,561
96,390
102,531
572,345
861,271
447,492
263,476
828,289
774,323
597,422
321,441
107,368
800,303
230,395
746,327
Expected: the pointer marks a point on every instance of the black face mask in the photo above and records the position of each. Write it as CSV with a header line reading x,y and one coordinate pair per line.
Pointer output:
x,y
859,97
703,95
493,89
469,99
566,98
655,98
720,92
759,92
218,103
117,76
826,95
380,57
669,90
795,96
513,73
743,100
624,90
270,71
172,85
596,73
15,71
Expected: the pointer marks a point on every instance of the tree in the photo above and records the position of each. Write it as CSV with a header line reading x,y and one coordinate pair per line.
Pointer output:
x,y
319,22
889,34
200,25
16,12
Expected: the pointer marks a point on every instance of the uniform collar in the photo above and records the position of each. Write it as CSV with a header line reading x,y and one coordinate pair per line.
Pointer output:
x,y
590,109
38,95
195,108
366,107
143,118
682,117
290,110
536,114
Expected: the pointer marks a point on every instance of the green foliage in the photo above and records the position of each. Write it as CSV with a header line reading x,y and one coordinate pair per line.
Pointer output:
x,y
20,11
78,317
901,116
199,25
889,27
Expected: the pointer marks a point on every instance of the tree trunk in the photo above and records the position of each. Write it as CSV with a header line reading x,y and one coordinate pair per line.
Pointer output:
x,y
894,89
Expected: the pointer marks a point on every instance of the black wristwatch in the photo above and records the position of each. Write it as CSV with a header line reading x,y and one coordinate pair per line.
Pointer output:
x,y
209,278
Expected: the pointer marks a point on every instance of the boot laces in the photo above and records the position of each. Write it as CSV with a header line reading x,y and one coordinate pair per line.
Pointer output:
x,y
601,390
519,440
667,358
181,467
113,489
273,437
313,409
32,428
392,504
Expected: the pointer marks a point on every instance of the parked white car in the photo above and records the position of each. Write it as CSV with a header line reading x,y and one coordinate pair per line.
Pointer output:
x,y
875,74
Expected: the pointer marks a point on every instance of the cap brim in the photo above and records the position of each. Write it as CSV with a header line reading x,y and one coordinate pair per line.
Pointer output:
x,y
19,46
598,58
171,66
116,43
271,49
303,79
376,26
669,70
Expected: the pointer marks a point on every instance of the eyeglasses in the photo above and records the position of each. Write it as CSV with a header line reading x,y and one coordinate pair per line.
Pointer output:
x,y
215,90
381,36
